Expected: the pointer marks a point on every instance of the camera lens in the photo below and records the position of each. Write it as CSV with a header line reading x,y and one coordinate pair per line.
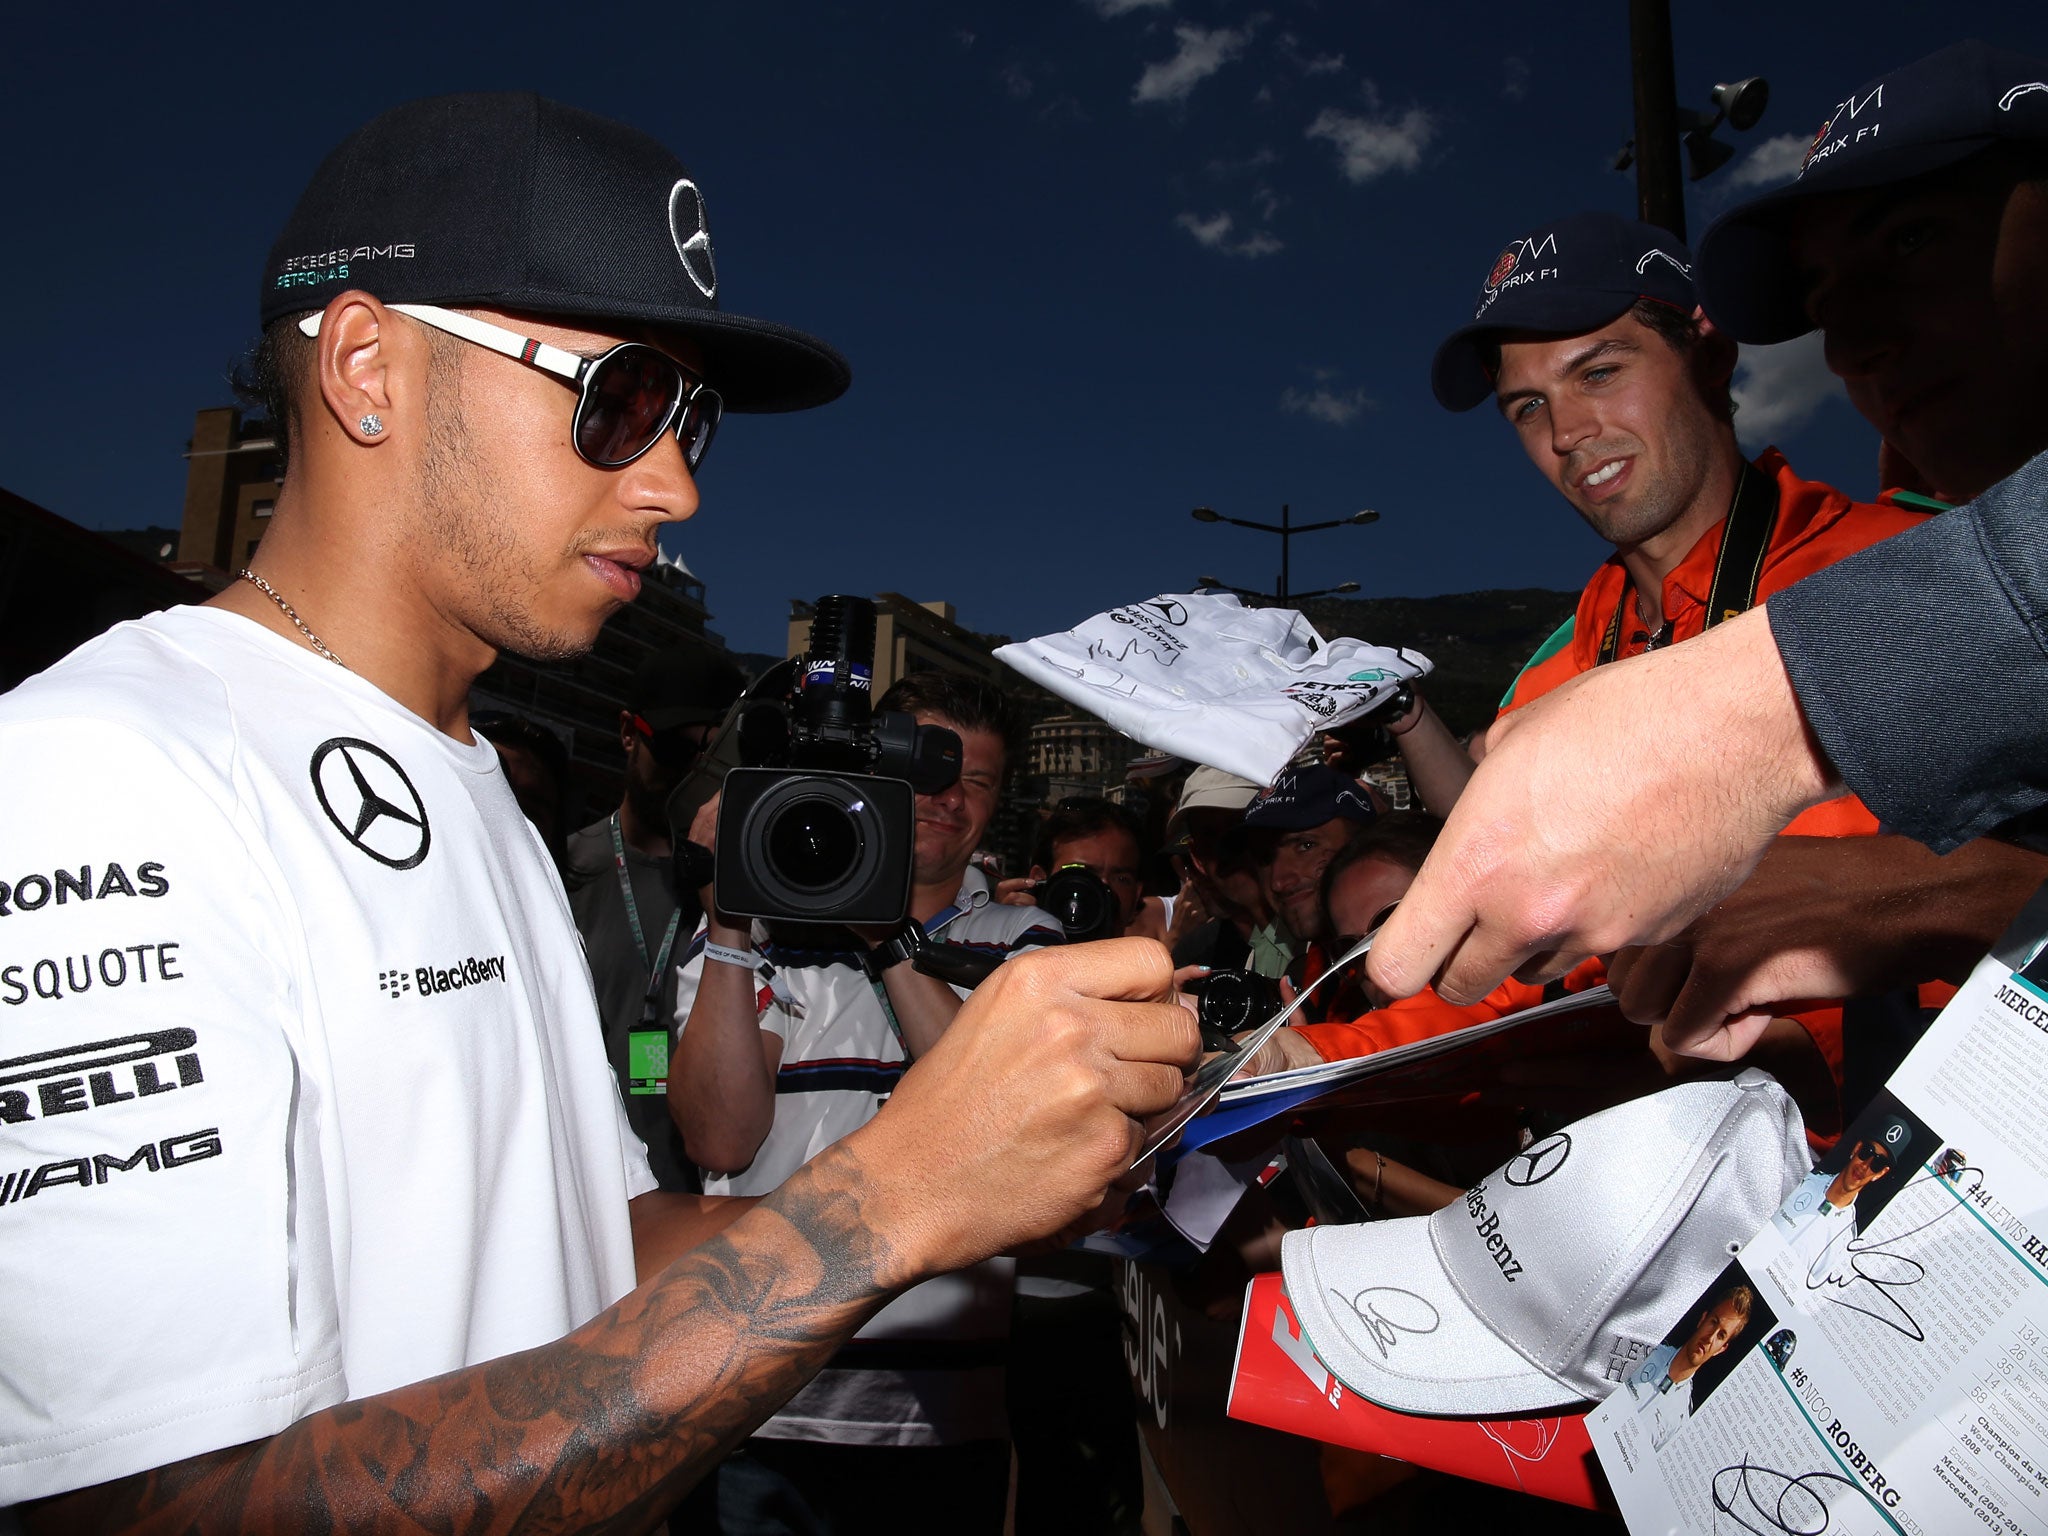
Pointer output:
x,y
813,844
1085,907
1233,1001
815,847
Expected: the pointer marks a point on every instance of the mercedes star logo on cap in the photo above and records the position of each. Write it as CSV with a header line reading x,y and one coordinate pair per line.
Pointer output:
x,y
1538,1162
692,235
370,801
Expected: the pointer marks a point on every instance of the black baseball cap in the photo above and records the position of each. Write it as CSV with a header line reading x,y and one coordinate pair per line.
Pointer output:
x,y
511,201
1930,114
1890,1135
1574,275
1307,797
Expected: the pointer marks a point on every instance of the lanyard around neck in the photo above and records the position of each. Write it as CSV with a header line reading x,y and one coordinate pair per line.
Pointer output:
x,y
657,963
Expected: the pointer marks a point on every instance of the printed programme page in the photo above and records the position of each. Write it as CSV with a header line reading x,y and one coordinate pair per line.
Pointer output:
x,y
1876,1358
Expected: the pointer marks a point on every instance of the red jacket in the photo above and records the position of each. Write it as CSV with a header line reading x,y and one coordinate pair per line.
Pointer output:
x,y
1816,526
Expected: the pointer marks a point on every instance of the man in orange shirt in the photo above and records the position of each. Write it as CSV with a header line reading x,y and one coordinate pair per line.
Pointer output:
x,y
1588,338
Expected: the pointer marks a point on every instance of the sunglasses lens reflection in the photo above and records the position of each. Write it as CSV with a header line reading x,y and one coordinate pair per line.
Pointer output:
x,y
698,425
628,402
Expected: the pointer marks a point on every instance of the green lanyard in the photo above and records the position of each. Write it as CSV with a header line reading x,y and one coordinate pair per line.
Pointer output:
x,y
656,964
647,1042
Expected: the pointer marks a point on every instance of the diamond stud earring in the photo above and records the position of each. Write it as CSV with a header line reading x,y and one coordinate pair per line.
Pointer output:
x,y
371,425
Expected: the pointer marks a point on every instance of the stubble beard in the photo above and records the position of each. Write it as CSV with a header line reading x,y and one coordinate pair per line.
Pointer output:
x,y
1652,504
459,499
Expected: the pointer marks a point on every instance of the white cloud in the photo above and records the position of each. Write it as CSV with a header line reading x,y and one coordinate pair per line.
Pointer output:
x,y
1515,79
1110,8
1368,148
1777,389
1289,48
1336,408
1218,233
1771,162
1016,81
1202,52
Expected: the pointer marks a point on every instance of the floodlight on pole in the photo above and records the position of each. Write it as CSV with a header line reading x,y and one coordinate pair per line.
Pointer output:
x,y
1743,102
1286,528
1662,126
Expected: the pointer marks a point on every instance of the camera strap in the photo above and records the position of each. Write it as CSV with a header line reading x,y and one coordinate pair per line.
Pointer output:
x,y
889,1013
1738,568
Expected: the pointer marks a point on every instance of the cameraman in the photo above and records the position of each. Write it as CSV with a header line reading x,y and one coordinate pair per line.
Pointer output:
x,y
783,1051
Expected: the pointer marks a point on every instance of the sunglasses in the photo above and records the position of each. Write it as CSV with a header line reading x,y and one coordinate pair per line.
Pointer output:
x,y
626,399
677,747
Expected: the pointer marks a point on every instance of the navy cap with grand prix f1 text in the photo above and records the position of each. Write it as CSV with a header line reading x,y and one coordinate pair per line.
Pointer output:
x,y
1571,276
1930,114
510,201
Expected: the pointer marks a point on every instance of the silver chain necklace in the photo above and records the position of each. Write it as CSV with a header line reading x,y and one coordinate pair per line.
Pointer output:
x,y
291,613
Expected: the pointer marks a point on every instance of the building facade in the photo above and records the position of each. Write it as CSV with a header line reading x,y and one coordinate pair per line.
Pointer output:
x,y
1080,755
914,637
231,479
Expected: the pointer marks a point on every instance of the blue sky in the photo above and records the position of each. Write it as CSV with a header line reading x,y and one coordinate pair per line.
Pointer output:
x,y
1095,262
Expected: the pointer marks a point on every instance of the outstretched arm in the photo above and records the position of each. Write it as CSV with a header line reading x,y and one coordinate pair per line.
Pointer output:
x,y
1439,767
1020,1122
721,1080
1612,811
1825,917
600,1431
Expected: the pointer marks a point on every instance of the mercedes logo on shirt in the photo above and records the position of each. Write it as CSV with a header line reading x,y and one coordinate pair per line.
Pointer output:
x,y
1539,1162
370,801
692,235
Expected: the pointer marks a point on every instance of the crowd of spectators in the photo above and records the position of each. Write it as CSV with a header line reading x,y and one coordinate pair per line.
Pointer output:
x,y
1618,388
747,1051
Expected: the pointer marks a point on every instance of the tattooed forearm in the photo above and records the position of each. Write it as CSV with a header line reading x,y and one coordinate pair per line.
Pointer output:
x,y
602,1431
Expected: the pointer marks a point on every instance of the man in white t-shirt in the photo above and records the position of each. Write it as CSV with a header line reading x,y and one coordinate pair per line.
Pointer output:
x,y
780,1053
319,1205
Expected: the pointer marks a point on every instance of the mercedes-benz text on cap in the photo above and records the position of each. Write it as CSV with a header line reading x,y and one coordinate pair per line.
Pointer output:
x,y
1574,275
1931,114
511,201
1546,1282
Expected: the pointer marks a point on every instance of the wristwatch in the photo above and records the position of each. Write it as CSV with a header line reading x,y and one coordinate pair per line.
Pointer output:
x,y
694,865
900,946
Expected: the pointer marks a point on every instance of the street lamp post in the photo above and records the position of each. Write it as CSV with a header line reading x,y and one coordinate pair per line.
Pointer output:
x,y
1662,126
1286,528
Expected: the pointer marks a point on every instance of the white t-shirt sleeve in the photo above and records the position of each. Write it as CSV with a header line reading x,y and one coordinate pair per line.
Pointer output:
x,y
164,1255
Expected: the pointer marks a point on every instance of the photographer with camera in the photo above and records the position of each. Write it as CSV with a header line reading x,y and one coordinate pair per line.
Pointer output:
x,y
782,1051
1088,871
